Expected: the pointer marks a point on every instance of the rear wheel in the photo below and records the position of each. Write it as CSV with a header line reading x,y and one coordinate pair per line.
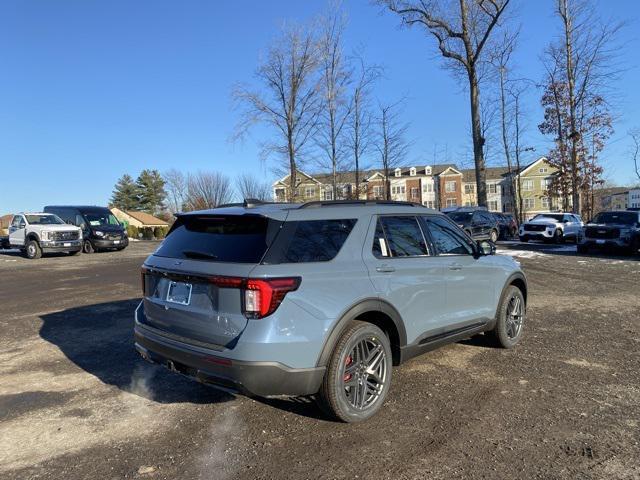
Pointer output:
x,y
358,376
33,250
511,316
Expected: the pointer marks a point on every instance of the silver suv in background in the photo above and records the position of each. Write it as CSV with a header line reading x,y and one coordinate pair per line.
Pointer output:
x,y
552,227
321,298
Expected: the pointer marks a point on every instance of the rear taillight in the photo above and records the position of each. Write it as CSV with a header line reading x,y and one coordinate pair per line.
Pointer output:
x,y
261,296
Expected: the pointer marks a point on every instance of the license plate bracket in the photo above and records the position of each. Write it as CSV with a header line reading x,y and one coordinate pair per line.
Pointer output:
x,y
600,242
179,292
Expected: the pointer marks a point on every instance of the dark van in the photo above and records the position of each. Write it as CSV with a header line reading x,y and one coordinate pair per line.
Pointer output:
x,y
101,230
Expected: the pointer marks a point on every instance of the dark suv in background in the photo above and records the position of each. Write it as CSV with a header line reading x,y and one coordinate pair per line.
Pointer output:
x,y
101,230
480,224
321,298
614,230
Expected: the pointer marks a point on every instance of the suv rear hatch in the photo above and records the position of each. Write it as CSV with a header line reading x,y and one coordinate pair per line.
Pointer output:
x,y
195,283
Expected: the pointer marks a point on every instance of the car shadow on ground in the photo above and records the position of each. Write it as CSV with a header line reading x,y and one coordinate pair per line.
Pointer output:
x,y
99,339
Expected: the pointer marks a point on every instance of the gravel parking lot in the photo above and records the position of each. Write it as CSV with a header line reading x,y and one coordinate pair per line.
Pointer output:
x,y
76,401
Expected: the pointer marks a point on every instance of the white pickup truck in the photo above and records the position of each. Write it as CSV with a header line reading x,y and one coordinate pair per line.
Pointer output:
x,y
38,233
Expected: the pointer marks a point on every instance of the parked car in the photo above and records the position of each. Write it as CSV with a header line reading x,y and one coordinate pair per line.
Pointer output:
x,y
552,227
101,230
615,229
507,224
321,298
477,222
38,233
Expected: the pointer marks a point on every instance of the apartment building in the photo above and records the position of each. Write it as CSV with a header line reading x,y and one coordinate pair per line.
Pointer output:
x,y
435,186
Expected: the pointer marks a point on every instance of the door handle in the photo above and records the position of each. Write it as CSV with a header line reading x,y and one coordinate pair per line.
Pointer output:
x,y
385,269
455,266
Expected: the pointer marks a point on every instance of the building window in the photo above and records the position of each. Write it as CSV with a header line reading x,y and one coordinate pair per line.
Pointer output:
x,y
412,171
493,205
492,188
527,185
452,202
328,194
428,203
529,203
415,193
543,170
546,204
398,189
398,172
427,170
450,186
469,188
378,191
545,184
427,187
280,196
309,192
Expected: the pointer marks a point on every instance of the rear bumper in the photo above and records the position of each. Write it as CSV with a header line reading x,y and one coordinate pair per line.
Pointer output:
x,y
263,379
605,243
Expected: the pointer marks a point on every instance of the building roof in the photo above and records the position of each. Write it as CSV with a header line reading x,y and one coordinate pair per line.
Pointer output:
x,y
493,173
5,220
145,218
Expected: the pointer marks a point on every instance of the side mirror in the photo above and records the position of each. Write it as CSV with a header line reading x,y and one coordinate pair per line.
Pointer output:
x,y
485,247
22,225
83,226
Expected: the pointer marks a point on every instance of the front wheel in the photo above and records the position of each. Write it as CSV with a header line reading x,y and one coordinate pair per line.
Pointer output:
x,y
510,322
358,376
87,247
558,236
493,236
33,250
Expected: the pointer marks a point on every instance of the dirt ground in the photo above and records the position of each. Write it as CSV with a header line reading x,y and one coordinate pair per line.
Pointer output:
x,y
76,402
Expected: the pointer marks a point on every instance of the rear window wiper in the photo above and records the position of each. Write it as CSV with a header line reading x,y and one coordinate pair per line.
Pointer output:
x,y
199,255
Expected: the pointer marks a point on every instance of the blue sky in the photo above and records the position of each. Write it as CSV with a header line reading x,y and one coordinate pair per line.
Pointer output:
x,y
90,90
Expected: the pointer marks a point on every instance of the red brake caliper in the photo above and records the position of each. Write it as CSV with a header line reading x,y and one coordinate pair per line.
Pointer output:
x,y
347,376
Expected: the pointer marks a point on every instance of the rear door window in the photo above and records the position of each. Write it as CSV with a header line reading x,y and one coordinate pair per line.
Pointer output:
x,y
403,238
309,241
220,238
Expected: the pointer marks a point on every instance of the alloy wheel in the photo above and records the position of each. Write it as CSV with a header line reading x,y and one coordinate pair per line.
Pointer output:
x,y
364,375
515,317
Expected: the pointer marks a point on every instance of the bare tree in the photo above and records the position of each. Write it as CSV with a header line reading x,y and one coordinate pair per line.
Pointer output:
x,y
249,186
176,187
462,32
390,142
287,102
207,190
360,129
585,51
335,77
635,149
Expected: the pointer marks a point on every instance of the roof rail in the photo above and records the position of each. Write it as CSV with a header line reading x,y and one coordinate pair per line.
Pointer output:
x,y
331,203
246,203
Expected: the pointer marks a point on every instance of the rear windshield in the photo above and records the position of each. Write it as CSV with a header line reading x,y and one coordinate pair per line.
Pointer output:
x,y
220,238
460,216
309,241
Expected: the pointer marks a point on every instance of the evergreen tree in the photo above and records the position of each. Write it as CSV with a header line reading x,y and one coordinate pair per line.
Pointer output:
x,y
125,194
151,191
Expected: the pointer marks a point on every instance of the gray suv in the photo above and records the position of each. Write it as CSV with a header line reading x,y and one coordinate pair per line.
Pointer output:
x,y
321,298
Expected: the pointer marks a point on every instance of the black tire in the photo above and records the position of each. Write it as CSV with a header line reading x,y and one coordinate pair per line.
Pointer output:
x,y
583,249
32,250
503,333
514,232
493,236
558,237
87,247
333,396
524,239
